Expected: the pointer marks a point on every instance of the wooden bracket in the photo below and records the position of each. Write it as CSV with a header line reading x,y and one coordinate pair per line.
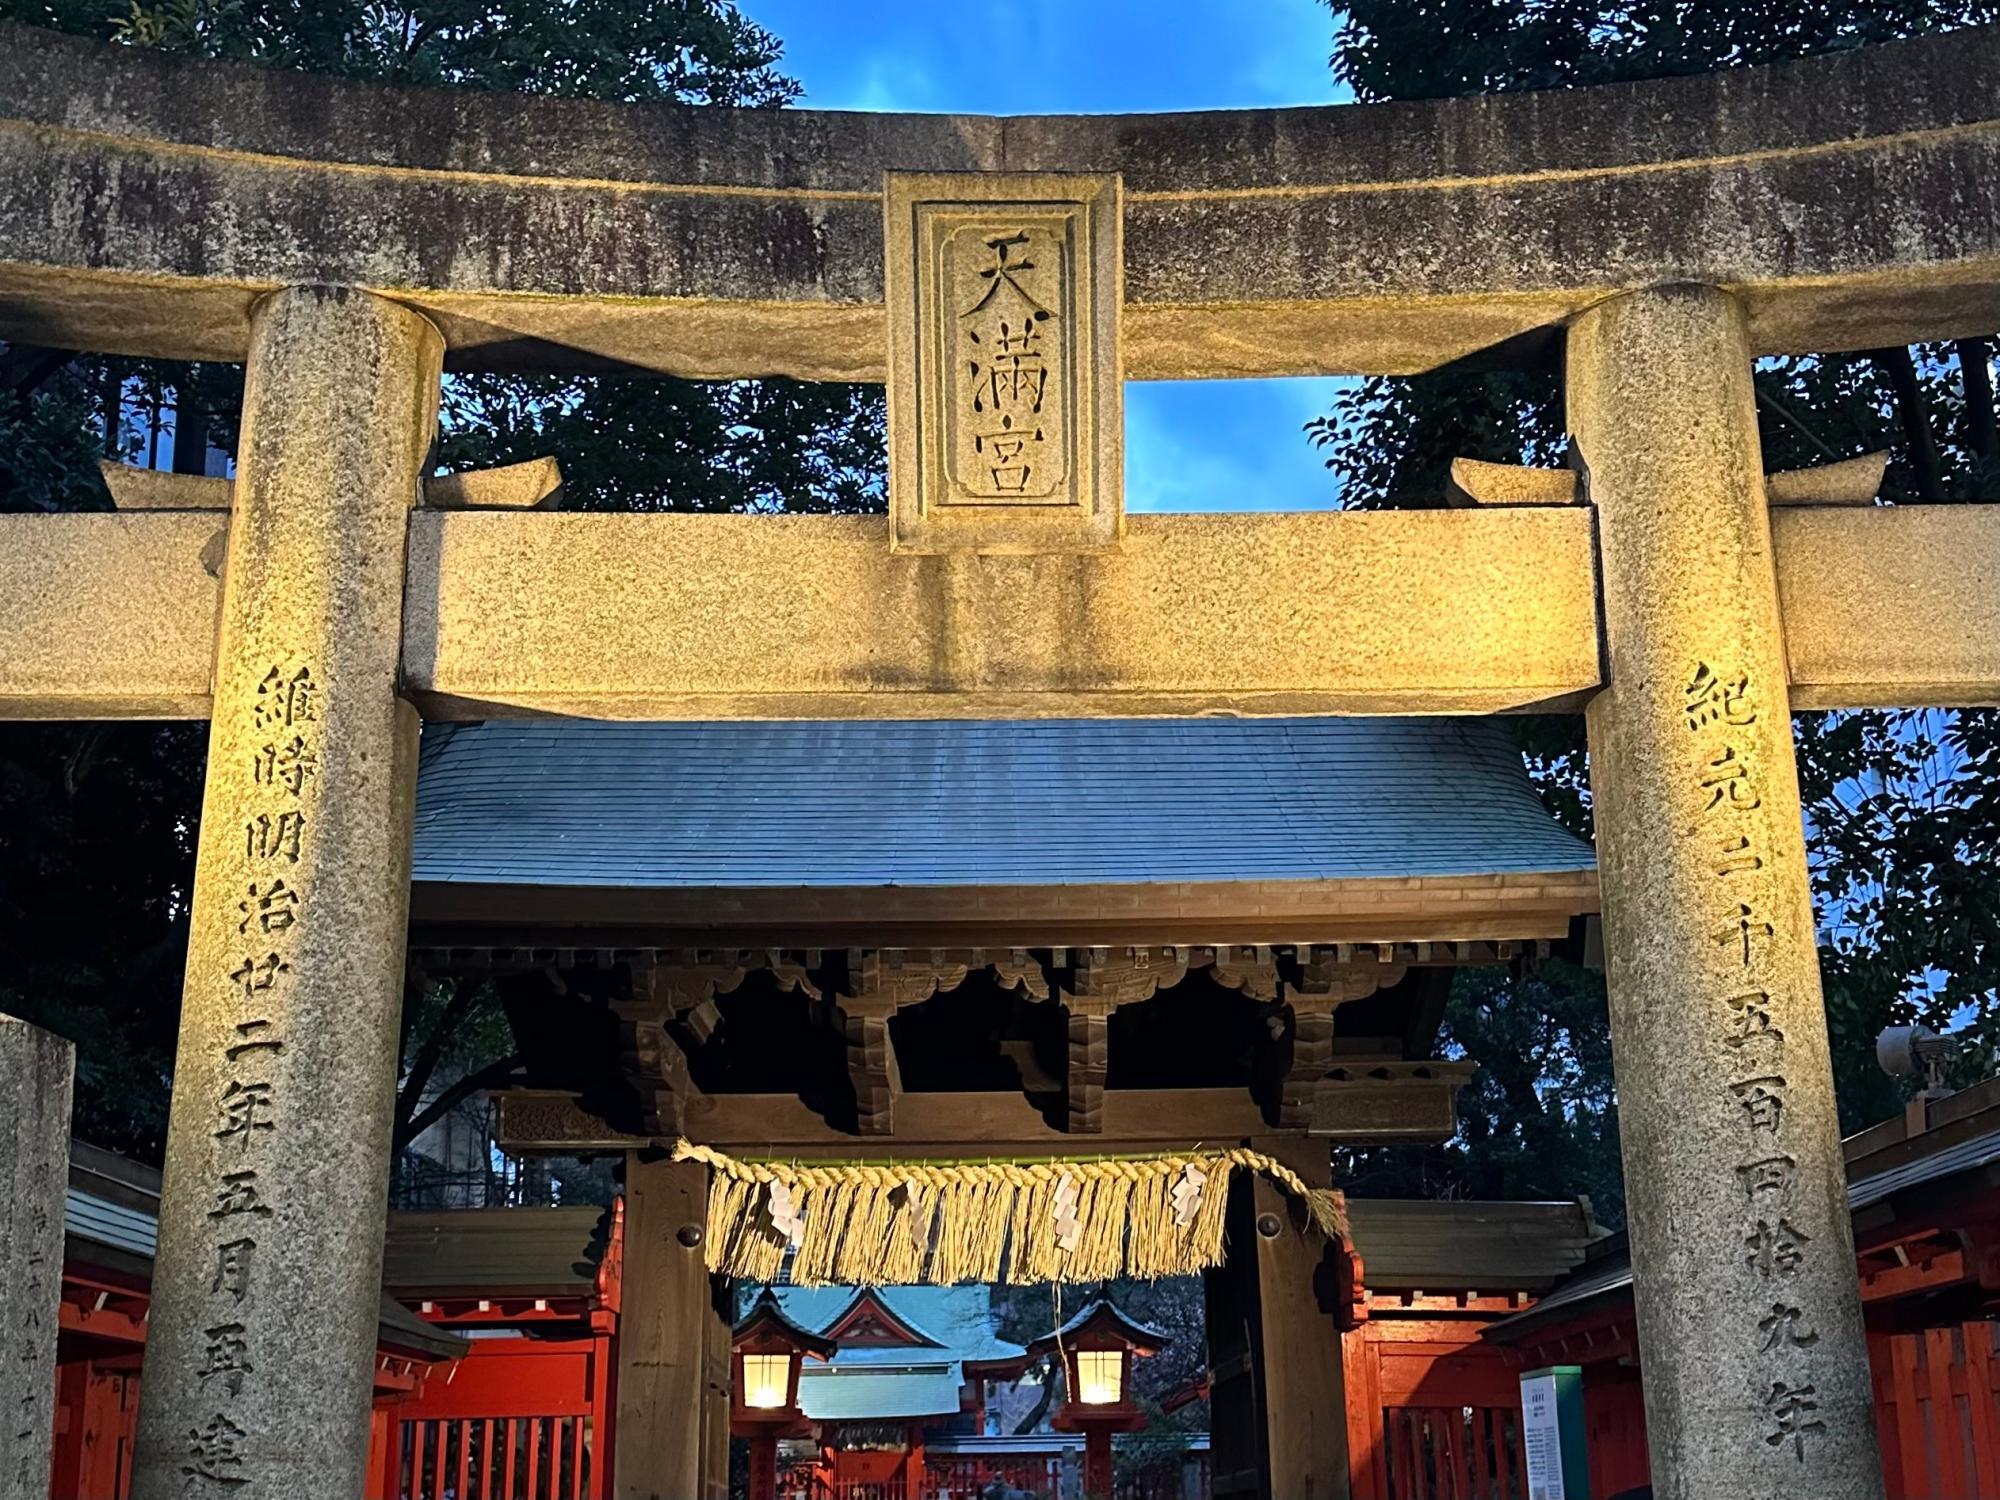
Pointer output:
x,y
650,1057
1089,1062
1311,1059
1098,982
1250,971
879,984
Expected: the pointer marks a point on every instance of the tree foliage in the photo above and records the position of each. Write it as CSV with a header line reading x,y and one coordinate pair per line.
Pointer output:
x,y
1900,811
98,822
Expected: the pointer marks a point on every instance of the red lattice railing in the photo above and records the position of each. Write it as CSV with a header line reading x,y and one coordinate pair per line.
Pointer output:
x,y
1453,1453
496,1458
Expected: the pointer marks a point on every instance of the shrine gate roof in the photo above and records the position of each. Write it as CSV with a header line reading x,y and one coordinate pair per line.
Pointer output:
x,y
847,804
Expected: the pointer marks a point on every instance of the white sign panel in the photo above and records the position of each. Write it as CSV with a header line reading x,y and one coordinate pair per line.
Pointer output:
x,y
1541,1436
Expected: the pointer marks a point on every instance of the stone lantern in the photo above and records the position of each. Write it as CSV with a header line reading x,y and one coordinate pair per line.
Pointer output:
x,y
766,1350
1097,1347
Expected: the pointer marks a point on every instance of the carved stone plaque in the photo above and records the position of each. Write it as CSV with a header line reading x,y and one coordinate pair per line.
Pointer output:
x,y
1006,387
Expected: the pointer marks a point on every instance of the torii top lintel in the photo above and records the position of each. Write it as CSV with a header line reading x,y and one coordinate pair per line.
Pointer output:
x,y
146,200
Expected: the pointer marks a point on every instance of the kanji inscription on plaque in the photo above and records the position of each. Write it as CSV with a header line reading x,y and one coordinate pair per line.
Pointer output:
x,y
1006,404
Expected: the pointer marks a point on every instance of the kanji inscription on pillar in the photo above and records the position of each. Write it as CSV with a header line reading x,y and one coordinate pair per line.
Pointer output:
x,y
1006,407
278,1144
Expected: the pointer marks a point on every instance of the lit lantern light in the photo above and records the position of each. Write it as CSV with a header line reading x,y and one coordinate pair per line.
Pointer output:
x,y
767,1381
1097,1347
1100,1376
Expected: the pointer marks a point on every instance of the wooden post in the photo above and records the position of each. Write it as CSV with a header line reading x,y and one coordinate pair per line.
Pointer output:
x,y
1279,1402
764,1465
1098,1475
672,1439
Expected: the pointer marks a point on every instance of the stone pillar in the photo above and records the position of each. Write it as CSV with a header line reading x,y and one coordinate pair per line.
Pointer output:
x,y
671,1441
36,1070
267,1287
1750,1333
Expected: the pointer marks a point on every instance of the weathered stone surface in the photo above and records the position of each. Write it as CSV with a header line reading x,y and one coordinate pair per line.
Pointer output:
x,y
133,487
1006,389
1386,238
1750,1335
1890,606
267,1285
770,616
1850,481
112,616
533,485
109,616
1476,483
36,1069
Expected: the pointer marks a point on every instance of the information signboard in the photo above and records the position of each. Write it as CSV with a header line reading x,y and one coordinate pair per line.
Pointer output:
x,y
1552,1434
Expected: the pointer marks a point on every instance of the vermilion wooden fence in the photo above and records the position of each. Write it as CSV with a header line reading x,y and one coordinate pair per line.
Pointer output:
x,y
1433,1410
1453,1453
496,1458
1937,1408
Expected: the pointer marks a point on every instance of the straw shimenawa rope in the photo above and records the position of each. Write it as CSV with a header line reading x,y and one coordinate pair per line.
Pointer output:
x,y
899,1223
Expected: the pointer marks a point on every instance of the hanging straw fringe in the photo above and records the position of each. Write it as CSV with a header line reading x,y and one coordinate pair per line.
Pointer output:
x,y
899,1224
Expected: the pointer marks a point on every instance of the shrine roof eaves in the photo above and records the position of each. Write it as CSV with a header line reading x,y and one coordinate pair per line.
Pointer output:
x,y
740,805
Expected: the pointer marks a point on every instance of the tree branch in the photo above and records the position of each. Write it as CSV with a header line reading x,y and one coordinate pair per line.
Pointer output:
x,y
1901,369
1981,432
487,1077
432,1050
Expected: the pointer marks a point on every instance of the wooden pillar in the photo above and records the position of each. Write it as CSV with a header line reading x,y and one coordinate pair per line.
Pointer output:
x,y
1750,1331
764,1466
1278,1411
913,1466
268,1284
1099,1476
672,1437
36,1071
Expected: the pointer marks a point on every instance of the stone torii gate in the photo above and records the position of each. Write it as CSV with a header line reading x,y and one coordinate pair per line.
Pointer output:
x,y
350,241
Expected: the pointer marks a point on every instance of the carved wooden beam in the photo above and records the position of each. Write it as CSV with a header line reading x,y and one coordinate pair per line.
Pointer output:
x,y
689,983
1089,1062
1310,1029
1022,972
1318,981
1101,980
1111,977
1390,1101
1250,971
878,984
649,1056
1411,1103
872,1070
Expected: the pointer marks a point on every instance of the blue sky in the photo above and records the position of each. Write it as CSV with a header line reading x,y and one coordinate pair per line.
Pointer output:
x,y
1189,445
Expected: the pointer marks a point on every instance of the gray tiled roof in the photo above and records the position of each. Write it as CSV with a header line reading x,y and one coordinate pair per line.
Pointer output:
x,y
1454,1246
862,803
